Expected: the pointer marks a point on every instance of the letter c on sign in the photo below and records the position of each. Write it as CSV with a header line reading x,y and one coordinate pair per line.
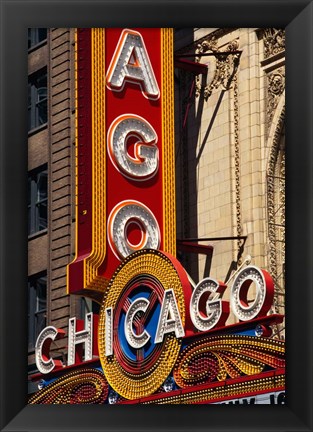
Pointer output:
x,y
136,340
121,217
44,363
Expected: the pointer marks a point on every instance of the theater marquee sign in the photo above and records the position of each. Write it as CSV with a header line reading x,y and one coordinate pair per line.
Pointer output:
x,y
158,338
125,151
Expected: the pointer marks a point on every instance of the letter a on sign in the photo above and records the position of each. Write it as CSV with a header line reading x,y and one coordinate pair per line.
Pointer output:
x,y
125,169
131,63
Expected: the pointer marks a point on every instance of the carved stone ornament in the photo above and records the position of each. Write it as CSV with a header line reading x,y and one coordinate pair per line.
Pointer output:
x,y
274,41
225,66
276,86
276,82
276,200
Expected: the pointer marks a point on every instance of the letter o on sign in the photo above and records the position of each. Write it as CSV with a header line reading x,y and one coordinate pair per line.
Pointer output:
x,y
240,304
131,212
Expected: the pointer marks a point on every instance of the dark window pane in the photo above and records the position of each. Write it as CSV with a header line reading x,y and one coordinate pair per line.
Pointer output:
x,y
29,185
87,306
41,304
36,35
95,308
37,99
29,220
42,186
42,34
42,91
42,216
29,119
42,113
37,200
31,334
29,38
40,322
41,293
37,307
29,94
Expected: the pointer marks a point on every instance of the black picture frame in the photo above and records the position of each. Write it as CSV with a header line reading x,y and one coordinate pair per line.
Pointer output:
x,y
16,17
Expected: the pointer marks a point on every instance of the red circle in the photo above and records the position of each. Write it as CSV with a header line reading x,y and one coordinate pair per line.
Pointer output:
x,y
134,232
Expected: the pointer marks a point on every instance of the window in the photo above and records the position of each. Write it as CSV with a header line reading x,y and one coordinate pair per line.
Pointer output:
x,y
37,200
37,307
35,36
37,99
87,305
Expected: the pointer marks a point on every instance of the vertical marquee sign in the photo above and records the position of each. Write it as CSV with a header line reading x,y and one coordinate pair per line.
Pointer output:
x,y
124,148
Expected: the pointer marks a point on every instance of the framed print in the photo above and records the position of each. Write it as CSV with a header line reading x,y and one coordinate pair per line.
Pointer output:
x,y
166,245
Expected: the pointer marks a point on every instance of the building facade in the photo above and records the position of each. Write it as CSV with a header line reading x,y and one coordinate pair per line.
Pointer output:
x,y
231,150
229,166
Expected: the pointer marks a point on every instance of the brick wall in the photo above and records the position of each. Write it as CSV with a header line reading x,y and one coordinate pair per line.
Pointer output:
x,y
61,149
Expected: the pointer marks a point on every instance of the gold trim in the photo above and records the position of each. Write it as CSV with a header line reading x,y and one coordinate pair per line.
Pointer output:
x,y
76,158
226,356
144,383
65,390
91,280
211,394
168,143
92,263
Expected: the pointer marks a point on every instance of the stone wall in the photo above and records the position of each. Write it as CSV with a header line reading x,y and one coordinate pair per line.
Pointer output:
x,y
223,148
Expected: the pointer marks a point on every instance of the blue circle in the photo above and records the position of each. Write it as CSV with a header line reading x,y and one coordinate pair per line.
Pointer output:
x,y
150,325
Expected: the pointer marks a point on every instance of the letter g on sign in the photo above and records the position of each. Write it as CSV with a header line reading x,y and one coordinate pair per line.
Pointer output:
x,y
145,161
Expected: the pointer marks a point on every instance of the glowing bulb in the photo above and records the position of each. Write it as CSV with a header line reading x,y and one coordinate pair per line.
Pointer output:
x,y
41,384
258,330
113,397
169,384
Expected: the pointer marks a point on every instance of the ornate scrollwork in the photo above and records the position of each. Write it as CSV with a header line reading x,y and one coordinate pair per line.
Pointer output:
x,y
276,215
225,62
274,41
277,82
222,357
275,88
86,386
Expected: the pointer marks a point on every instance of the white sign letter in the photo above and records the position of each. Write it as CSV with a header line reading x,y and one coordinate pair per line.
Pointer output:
x,y
145,162
109,331
80,337
169,319
132,213
136,340
130,62
213,305
44,362
244,309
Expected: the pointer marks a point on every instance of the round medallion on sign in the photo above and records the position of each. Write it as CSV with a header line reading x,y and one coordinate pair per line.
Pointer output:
x,y
142,322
